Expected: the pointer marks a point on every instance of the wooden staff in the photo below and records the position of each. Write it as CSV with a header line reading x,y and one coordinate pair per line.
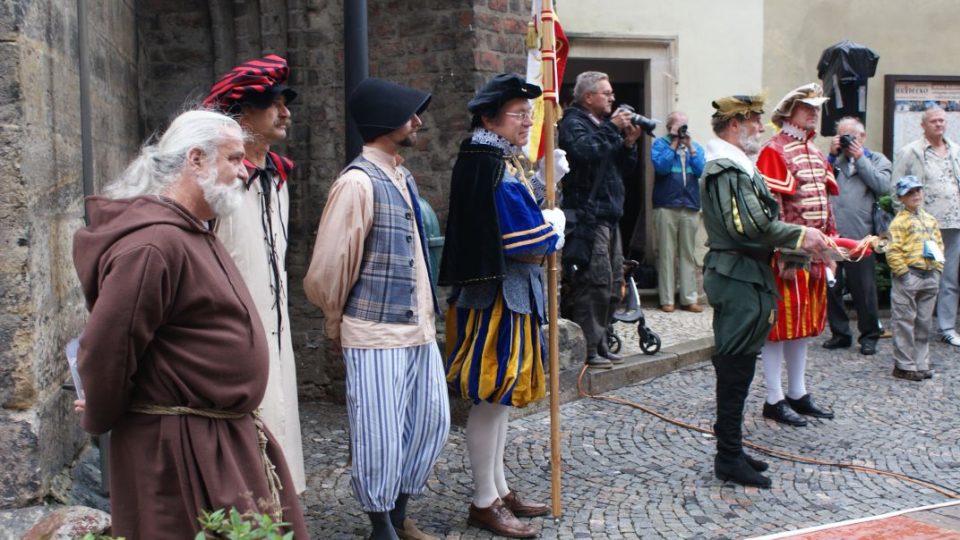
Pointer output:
x,y
548,57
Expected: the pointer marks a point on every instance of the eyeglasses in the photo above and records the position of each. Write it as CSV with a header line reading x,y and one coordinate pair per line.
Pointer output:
x,y
527,115
609,94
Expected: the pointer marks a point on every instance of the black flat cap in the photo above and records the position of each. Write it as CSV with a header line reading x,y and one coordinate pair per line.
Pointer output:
x,y
379,107
500,90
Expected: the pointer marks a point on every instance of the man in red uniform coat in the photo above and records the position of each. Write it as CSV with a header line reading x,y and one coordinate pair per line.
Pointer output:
x,y
801,179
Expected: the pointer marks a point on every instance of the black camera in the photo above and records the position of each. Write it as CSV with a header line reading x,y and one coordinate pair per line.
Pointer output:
x,y
846,140
682,131
646,124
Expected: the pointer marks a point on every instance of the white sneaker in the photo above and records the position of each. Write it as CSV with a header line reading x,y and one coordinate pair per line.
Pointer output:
x,y
950,338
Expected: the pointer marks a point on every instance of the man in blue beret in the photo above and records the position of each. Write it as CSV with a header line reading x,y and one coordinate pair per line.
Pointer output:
x,y
370,274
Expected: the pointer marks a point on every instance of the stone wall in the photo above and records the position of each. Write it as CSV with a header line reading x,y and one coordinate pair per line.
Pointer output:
x,y
315,53
40,179
176,58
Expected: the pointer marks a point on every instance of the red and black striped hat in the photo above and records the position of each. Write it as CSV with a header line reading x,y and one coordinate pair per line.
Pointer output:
x,y
257,83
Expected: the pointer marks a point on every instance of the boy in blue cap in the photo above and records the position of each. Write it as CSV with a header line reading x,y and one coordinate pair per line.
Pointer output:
x,y
915,257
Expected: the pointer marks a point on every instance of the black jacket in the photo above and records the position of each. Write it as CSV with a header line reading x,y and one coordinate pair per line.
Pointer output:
x,y
596,154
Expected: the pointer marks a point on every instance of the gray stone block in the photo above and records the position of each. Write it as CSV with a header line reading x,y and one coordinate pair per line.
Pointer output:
x,y
20,481
69,522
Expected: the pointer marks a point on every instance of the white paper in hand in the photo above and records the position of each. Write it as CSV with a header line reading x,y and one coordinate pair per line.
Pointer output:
x,y
932,251
71,350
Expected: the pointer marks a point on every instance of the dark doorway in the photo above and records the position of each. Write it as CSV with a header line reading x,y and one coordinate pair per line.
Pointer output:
x,y
628,80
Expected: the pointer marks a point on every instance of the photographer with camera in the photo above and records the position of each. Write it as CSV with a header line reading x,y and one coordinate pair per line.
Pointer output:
x,y
601,148
678,163
863,177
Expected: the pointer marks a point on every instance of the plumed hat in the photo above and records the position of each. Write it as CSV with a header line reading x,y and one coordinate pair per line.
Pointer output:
x,y
379,107
740,105
811,94
256,83
500,90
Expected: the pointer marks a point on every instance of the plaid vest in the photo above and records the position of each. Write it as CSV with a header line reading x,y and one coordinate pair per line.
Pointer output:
x,y
386,289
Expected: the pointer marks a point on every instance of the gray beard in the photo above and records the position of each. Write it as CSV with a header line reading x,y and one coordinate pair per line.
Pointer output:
x,y
750,144
223,200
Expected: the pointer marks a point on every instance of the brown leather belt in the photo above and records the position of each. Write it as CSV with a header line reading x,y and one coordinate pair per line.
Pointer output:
x,y
758,255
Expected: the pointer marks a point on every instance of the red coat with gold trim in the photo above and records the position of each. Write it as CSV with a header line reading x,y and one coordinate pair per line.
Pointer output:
x,y
802,180
799,175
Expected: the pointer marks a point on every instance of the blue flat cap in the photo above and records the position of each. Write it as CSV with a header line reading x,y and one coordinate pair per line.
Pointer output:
x,y
907,183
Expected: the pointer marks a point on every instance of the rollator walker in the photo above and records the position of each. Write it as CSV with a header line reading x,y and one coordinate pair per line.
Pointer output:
x,y
630,312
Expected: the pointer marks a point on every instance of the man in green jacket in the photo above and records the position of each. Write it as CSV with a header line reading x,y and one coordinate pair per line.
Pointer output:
x,y
742,220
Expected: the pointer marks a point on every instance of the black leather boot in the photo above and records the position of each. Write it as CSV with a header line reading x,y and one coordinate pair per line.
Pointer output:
x,y
734,375
605,352
738,471
757,465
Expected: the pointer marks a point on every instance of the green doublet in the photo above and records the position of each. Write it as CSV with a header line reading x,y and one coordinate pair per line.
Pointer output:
x,y
741,218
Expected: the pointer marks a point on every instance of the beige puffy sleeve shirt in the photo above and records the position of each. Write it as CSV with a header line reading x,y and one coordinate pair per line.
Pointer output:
x,y
337,256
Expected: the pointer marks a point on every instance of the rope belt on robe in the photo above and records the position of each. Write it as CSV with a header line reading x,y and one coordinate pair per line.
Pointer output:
x,y
273,479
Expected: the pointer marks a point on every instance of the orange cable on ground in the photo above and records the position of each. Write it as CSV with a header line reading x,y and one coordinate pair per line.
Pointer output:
x,y
947,492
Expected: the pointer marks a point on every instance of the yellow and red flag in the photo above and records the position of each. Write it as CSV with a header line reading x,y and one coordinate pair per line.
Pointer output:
x,y
537,60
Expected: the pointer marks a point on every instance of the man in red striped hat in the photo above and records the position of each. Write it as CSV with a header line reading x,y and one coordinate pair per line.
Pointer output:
x,y
256,234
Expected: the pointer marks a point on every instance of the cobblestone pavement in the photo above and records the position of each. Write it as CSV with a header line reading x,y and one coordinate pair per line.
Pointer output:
x,y
627,474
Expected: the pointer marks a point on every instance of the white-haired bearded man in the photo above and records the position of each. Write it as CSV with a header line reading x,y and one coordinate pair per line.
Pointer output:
x,y
174,358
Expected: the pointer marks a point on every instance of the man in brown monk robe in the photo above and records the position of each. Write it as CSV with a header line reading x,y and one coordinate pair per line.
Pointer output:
x,y
174,357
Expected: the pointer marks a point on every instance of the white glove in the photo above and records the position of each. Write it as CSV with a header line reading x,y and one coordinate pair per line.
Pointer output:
x,y
557,220
560,167
560,164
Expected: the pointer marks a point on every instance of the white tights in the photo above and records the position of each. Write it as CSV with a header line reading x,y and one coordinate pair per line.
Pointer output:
x,y
795,354
486,440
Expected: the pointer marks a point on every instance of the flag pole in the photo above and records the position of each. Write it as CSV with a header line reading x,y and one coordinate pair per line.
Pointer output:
x,y
550,104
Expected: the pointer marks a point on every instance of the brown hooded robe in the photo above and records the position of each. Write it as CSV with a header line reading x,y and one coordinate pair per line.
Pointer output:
x,y
171,323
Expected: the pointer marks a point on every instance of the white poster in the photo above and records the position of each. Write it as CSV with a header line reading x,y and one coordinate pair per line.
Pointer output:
x,y
911,98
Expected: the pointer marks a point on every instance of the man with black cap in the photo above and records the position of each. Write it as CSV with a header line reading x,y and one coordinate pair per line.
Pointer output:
x,y
370,275
743,227
496,239
256,234
601,146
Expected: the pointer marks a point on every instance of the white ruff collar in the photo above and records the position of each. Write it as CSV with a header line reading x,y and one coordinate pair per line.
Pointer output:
x,y
796,132
484,136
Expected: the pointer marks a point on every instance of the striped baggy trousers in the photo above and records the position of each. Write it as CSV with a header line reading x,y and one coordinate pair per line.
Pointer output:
x,y
399,419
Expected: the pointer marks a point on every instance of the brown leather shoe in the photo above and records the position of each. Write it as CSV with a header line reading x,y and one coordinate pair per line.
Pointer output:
x,y
667,308
692,308
498,519
524,509
907,374
411,532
